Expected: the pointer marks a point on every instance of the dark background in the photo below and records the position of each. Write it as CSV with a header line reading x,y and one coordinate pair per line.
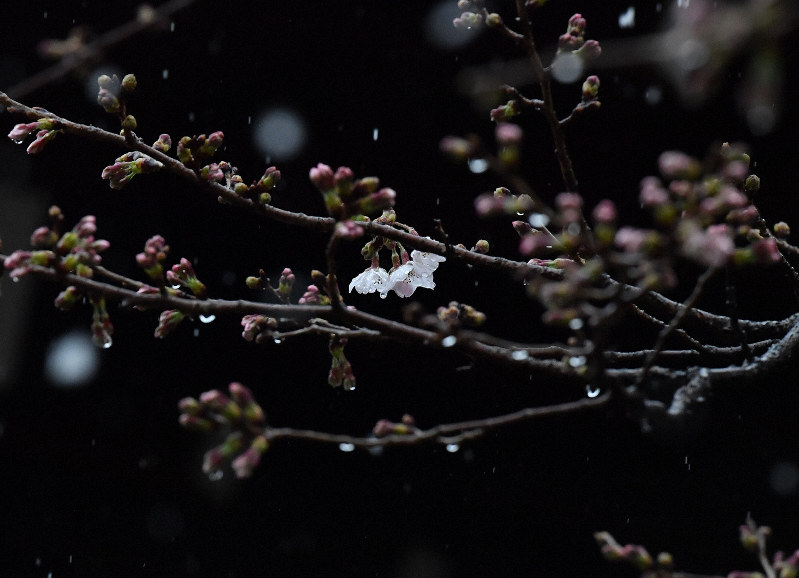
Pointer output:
x,y
101,480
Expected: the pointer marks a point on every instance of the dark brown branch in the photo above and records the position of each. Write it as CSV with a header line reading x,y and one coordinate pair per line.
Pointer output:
x,y
444,433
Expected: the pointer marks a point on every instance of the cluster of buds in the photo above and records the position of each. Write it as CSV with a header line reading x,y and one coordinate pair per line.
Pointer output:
x,y
574,39
168,320
45,129
384,427
313,294
196,153
112,96
128,166
258,328
456,314
259,191
507,111
474,15
239,411
502,202
634,555
340,367
346,197
112,89
153,257
76,251
284,286
183,275
710,216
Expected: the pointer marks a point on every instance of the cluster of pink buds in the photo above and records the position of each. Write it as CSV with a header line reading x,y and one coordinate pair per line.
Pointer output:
x,y
406,426
574,39
340,368
153,257
239,411
258,328
183,275
128,166
76,251
346,197
45,129
633,554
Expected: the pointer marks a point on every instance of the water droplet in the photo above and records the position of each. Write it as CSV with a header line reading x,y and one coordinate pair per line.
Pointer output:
x,y
71,360
216,476
784,477
591,392
449,341
172,26
207,319
278,340
577,361
280,133
452,448
196,332
438,201
538,220
653,95
176,286
567,67
374,134
478,166
349,386
576,324
346,447
165,73
15,279
627,19
103,341
520,355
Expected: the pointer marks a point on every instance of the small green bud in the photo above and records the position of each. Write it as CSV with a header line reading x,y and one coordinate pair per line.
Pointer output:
x,y
493,20
105,81
752,184
129,83
481,247
782,230
129,122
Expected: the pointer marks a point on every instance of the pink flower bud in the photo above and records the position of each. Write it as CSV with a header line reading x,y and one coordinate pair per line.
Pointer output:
x,y
322,177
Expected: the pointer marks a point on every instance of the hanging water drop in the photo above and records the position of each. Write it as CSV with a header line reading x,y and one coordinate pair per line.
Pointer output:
x,y
207,318
452,448
346,447
449,341
591,392
520,355
278,340
216,476
577,361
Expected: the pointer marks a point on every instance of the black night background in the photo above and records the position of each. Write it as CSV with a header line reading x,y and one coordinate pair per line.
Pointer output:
x,y
100,480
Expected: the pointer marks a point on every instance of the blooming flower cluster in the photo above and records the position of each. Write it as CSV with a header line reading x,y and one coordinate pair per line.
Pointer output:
x,y
403,280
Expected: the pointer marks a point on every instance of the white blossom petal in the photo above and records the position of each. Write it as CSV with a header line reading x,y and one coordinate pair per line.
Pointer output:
x,y
370,281
425,263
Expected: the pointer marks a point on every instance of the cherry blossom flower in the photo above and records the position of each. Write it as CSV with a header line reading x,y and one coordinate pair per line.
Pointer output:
x,y
371,280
